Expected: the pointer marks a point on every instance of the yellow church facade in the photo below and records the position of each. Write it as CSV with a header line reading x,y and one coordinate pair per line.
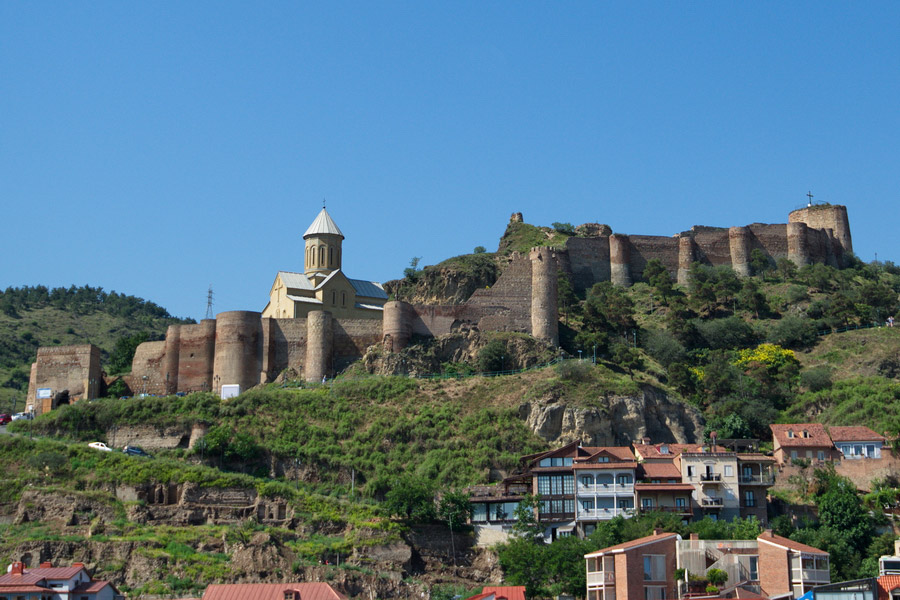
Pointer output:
x,y
323,285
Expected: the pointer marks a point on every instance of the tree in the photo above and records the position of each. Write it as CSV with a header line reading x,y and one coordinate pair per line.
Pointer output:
x,y
523,563
454,509
564,228
527,526
411,498
760,262
752,299
492,356
786,268
608,309
122,355
412,271
480,250
659,279
566,298
628,358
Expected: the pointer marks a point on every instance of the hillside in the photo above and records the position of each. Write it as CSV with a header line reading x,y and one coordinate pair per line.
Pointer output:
x,y
39,316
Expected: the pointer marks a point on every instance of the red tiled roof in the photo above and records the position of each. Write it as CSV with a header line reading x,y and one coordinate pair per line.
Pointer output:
x,y
40,573
886,585
90,587
818,438
510,592
788,543
606,465
633,543
22,589
660,470
619,452
754,457
270,591
854,434
648,451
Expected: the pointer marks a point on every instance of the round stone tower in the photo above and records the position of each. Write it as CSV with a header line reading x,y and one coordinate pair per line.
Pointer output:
x,y
826,216
323,247
396,325
238,357
620,260
319,344
798,243
686,257
739,245
544,307
173,349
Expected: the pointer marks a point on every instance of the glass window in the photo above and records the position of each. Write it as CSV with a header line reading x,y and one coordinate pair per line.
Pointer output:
x,y
680,502
749,498
623,479
857,450
479,512
794,454
544,485
821,455
602,459
545,462
870,450
654,592
729,471
625,503
690,471
646,502
754,568
587,480
654,567
587,504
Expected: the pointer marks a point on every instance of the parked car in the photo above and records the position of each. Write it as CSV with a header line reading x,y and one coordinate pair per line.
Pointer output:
x,y
134,451
100,446
22,415
4,419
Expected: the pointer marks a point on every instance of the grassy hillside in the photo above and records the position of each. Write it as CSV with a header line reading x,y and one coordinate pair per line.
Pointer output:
x,y
38,316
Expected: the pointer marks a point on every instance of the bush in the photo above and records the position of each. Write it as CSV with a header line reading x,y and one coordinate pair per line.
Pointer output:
x,y
574,370
794,332
492,356
816,379
729,333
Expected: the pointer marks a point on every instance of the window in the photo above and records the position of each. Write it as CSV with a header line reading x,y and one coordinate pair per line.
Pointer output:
x,y
545,462
333,297
749,499
821,455
654,592
330,256
654,567
690,471
321,256
602,459
793,454
664,449
729,471
805,433
587,480
646,502
857,450
587,504
870,450
790,434
343,298
479,512
625,503
680,502
753,571
623,479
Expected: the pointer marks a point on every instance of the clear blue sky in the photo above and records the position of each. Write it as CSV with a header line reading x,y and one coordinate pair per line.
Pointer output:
x,y
154,148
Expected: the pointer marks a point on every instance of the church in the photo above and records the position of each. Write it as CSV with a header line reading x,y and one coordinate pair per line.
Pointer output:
x,y
322,285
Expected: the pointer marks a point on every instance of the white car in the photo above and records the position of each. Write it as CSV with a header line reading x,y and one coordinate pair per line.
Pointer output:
x,y
22,415
100,446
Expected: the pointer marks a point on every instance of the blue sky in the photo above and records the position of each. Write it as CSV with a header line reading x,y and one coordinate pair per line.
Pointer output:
x,y
157,148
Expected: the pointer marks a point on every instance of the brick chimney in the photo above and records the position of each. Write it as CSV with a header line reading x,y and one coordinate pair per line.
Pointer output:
x,y
657,531
76,565
47,565
17,568
695,536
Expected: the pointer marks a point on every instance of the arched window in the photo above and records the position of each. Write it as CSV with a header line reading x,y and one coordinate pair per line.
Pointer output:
x,y
321,256
343,298
333,297
330,257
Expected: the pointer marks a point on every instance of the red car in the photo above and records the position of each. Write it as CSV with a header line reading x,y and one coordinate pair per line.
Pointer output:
x,y
4,419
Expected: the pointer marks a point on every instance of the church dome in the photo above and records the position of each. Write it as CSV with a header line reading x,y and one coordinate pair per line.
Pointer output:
x,y
323,225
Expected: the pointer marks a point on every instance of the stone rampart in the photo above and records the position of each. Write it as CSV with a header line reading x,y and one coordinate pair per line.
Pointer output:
x,y
73,369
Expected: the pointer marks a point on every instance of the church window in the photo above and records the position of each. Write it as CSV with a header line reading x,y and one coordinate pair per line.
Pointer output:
x,y
334,297
331,257
321,256
343,298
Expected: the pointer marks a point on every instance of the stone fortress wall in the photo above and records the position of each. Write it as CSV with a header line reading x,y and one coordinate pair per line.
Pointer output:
x,y
244,348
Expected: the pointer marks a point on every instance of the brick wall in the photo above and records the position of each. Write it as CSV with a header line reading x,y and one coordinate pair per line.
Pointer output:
x,y
351,338
774,569
75,369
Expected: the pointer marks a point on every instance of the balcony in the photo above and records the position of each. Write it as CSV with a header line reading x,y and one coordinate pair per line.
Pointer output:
x,y
605,488
712,502
601,578
600,514
764,479
678,510
710,477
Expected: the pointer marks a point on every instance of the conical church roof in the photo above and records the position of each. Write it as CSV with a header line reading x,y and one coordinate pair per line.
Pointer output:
x,y
323,224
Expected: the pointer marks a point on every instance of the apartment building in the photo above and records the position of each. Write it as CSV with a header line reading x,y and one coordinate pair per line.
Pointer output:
x,y
643,568
807,441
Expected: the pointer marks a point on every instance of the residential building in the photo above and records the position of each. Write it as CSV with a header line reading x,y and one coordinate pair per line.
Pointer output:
x,y
660,488
807,441
770,566
790,567
604,486
272,591
47,582
642,568
500,592
856,442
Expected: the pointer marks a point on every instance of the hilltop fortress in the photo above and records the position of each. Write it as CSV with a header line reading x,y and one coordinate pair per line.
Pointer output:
x,y
320,321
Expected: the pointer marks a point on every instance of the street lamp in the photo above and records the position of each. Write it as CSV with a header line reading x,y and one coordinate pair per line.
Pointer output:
x,y
144,389
579,355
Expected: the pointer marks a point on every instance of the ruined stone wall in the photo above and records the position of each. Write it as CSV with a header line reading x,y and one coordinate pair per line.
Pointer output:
x,y
351,338
645,248
508,300
196,356
284,345
75,369
588,260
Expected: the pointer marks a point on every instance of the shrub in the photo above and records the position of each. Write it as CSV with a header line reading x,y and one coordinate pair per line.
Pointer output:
x,y
574,370
793,332
816,378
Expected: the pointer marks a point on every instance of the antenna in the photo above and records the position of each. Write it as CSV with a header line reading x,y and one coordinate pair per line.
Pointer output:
x,y
209,302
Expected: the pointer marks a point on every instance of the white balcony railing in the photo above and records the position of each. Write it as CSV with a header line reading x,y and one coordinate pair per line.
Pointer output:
x,y
583,514
605,488
601,578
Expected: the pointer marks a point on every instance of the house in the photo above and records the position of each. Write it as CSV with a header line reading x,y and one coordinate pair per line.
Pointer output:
x,y
604,485
808,441
47,582
272,591
769,566
500,592
856,442
660,488
642,568
787,566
